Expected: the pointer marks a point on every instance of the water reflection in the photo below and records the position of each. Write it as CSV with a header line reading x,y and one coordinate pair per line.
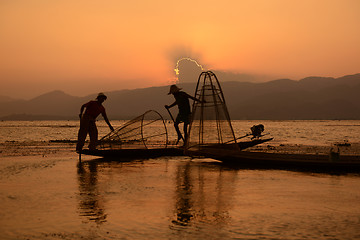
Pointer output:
x,y
183,195
204,193
91,202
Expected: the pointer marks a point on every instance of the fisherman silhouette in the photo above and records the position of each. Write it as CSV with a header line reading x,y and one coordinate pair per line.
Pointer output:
x,y
87,122
184,115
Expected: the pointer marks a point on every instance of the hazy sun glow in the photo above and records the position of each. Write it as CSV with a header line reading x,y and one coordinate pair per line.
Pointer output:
x,y
177,71
82,46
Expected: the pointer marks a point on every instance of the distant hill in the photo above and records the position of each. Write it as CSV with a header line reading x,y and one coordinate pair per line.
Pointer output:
x,y
309,98
4,99
29,117
56,103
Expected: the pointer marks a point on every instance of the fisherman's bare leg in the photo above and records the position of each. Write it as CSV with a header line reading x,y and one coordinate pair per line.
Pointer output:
x,y
93,133
83,131
176,125
185,132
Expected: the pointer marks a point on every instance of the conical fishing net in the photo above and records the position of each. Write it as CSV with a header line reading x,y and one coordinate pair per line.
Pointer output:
x,y
147,131
210,125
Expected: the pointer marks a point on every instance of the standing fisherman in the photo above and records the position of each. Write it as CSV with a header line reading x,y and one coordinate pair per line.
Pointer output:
x,y
184,115
87,122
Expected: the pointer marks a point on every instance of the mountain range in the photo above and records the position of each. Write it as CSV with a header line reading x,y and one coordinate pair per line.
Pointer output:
x,y
283,99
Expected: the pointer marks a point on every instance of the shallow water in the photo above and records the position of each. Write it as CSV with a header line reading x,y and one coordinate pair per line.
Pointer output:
x,y
51,196
171,198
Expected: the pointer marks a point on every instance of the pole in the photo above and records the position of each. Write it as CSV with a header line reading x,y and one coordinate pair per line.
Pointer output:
x,y
237,138
170,114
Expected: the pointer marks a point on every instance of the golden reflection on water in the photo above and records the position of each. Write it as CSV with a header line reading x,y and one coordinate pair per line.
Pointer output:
x,y
200,193
184,192
181,198
91,202
200,198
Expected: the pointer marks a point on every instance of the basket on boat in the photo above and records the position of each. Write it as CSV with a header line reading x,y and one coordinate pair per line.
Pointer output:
x,y
147,131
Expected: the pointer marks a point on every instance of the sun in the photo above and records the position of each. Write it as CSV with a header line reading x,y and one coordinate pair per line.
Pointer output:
x,y
177,70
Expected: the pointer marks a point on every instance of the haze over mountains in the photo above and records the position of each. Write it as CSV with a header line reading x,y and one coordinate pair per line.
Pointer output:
x,y
284,99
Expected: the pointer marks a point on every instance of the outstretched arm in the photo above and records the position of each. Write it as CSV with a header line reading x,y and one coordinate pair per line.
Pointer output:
x,y
170,106
194,98
107,121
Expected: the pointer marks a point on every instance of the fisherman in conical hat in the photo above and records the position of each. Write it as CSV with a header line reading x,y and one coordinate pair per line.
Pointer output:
x,y
184,115
87,122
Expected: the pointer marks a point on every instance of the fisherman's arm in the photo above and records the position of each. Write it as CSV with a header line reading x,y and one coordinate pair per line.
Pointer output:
x,y
107,121
195,99
170,106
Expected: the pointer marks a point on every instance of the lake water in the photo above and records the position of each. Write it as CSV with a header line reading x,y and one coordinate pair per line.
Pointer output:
x,y
55,197
316,132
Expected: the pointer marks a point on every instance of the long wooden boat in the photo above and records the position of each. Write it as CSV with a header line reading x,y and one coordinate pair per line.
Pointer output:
x,y
239,145
134,153
263,160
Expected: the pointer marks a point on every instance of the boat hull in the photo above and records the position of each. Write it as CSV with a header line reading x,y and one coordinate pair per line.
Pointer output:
x,y
134,153
262,160
155,152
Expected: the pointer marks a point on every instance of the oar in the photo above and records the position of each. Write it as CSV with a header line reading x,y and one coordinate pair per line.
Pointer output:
x,y
174,122
249,134
237,138
170,114
260,135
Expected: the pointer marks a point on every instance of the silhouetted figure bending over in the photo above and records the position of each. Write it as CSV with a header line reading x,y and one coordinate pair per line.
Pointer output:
x,y
184,115
87,122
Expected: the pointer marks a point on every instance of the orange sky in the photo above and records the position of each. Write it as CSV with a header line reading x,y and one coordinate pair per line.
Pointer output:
x,y
87,46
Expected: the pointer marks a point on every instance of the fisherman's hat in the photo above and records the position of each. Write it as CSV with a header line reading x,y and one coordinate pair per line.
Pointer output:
x,y
101,95
174,89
